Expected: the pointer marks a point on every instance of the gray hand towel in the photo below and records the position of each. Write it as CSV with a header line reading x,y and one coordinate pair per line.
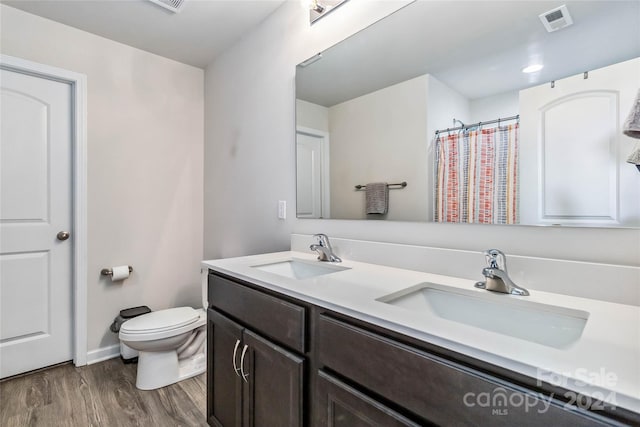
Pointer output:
x,y
634,157
632,124
377,198
632,128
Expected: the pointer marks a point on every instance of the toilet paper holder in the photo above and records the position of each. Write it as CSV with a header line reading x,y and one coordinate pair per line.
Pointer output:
x,y
109,272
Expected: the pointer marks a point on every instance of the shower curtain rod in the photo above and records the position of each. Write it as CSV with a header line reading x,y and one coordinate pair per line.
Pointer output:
x,y
498,120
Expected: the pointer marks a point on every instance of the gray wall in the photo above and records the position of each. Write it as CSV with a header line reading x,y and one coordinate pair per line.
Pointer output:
x,y
250,126
145,136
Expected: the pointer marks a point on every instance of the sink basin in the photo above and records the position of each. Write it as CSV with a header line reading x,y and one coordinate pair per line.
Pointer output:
x,y
544,324
300,269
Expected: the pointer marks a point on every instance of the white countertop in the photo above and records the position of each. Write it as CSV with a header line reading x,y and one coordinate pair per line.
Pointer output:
x,y
603,363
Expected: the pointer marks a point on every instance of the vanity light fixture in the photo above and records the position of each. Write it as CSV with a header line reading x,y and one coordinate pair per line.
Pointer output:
x,y
320,8
533,68
316,7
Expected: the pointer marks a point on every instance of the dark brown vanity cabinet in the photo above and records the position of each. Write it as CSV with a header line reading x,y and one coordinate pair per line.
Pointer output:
x,y
251,380
427,388
340,405
224,384
275,361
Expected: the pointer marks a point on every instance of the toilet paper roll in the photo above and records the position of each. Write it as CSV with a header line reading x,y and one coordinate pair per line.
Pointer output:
x,y
120,272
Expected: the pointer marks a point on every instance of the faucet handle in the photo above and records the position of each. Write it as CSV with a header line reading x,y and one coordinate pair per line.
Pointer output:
x,y
496,259
323,240
324,249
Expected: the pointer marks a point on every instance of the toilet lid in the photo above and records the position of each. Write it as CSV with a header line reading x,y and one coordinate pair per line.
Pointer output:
x,y
162,320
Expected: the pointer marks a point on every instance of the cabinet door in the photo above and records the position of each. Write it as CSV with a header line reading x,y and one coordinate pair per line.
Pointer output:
x,y
273,389
224,386
436,389
340,405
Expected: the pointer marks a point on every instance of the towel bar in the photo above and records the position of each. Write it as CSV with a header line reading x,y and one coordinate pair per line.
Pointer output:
x,y
401,185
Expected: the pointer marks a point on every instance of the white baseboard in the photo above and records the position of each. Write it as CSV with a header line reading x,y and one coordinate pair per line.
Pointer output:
x,y
102,354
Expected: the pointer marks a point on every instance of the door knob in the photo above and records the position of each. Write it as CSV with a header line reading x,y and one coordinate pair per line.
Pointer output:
x,y
63,235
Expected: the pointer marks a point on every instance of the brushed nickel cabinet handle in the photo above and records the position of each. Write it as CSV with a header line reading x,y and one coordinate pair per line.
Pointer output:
x,y
244,374
235,350
63,235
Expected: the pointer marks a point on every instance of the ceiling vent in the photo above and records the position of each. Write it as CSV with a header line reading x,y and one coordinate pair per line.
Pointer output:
x,y
172,5
556,19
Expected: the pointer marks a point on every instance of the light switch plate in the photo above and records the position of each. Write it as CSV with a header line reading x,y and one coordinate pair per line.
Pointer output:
x,y
282,209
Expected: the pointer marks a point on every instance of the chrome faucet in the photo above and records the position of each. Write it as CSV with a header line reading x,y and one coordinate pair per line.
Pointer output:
x,y
497,278
324,249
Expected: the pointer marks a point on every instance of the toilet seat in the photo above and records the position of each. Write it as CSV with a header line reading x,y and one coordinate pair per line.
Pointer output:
x,y
162,324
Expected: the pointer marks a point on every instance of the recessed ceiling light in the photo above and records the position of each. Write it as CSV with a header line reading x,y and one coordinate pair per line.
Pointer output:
x,y
532,68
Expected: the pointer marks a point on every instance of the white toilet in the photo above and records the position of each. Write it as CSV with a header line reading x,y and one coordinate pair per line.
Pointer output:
x,y
171,345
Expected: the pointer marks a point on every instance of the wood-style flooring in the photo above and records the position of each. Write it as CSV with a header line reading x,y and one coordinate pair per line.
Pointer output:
x,y
103,394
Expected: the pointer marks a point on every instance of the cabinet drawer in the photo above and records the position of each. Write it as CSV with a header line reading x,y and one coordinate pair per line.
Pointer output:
x,y
432,388
279,320
340,405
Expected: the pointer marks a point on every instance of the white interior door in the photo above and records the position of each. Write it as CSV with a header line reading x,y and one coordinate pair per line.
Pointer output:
x,y
312,174
35,206
574,132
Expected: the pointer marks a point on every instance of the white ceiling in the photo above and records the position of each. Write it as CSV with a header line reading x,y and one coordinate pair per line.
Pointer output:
x,y
196,35
476,47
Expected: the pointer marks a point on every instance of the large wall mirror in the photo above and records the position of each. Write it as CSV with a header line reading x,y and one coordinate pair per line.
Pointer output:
x,y
435,96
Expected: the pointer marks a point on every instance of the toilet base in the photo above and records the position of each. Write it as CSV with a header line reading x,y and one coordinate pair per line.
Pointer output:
x,y
162,368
